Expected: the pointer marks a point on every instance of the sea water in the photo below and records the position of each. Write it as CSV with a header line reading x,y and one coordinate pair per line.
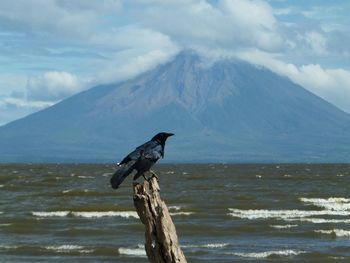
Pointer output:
x,y
222,213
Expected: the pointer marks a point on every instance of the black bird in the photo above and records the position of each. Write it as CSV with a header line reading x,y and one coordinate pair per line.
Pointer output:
x,y
141,159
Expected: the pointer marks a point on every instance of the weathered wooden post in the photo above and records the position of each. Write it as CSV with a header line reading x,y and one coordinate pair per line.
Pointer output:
x,y
161,238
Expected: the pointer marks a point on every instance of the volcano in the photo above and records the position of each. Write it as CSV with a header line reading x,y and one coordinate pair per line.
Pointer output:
x,y
224,111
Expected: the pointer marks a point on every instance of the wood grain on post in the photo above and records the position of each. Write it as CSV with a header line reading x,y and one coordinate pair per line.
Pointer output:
x,y
161,239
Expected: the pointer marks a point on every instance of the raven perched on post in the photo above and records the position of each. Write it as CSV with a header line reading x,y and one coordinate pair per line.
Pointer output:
x,y
141,159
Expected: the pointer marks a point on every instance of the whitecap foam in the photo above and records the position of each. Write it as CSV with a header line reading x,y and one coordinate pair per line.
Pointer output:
x,y
106,174
283,226
324,221
282,214
7,224
1,185
67,191
215,245
85,177
137,252
8,247
51,214
174,207
335,232
332,203
90,214
181,213
69,248
266,254
210,245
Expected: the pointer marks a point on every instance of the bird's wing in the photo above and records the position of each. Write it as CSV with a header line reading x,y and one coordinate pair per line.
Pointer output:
x,y
154,152
119,176
134,155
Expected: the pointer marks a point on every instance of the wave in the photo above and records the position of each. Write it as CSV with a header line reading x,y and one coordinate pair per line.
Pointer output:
x,y
1,185
174,207
335,232
97,214
76,191
9,247
69,248
266,254
137,252
85,177
283,226
282,214
324,221
215,245
210,245
90,214
332,203
125,214
178,212
51,214
181,213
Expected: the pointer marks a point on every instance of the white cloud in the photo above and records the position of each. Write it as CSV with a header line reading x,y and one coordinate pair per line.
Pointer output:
x,y
317,42
52,86
140,49
22,103
63,20
332,85
15,108
134,64
230,24
131,37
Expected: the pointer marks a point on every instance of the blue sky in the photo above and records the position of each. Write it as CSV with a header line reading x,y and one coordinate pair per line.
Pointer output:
x,y
52,49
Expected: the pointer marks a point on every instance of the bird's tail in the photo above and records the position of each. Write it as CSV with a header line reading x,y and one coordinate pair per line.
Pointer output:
x,y
119,176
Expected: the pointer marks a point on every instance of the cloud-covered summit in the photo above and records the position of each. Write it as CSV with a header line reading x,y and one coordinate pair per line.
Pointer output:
x,y
74,45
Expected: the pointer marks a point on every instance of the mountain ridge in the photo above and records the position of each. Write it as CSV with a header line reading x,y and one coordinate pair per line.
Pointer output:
x,y
229,111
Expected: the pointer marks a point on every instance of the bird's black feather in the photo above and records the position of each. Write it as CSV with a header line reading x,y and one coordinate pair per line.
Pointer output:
x,y
141,159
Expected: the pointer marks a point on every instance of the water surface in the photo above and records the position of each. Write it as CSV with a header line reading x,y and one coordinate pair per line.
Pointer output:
x,y
223,213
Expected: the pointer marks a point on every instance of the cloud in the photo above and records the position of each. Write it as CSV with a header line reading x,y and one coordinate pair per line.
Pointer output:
x,y
230,24
16,108
58,48
317,42
65,18
140,49
52,86
332,85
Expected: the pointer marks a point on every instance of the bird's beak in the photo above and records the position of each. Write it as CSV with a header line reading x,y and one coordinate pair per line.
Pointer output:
x,y
170,134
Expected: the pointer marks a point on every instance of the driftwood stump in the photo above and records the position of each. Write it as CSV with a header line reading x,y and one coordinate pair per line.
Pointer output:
x,y
161,238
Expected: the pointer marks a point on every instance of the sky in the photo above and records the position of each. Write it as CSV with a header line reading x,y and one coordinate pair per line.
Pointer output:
x,y
53,49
